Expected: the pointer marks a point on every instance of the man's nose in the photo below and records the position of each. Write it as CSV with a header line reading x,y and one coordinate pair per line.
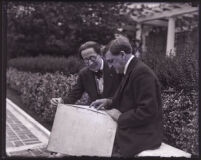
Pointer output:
x,y
110,65
90,62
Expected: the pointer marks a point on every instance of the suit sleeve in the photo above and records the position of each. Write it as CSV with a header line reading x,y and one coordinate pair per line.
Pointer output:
x,y
146,105
75,93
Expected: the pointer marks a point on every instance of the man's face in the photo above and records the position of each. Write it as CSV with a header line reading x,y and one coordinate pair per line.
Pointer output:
x,y
91,59
115,61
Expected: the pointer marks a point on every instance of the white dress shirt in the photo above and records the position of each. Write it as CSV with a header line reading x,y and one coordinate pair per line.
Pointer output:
x,y
100,82
128,62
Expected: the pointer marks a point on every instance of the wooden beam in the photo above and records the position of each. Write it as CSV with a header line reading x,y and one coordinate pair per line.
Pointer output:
x,y
166,14
161,23
188,15
134,18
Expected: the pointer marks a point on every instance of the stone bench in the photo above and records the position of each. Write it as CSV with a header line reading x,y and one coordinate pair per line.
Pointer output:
x,y
165,150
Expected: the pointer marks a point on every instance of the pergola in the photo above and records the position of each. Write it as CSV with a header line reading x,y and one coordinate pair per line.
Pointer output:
x,y
168,15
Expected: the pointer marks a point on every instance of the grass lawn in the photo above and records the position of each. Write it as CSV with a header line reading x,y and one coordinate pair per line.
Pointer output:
x,y
15,98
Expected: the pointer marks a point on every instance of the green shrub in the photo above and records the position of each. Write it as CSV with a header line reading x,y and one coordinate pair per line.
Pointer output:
x,y
44,64
59,28
179,72
37,89
180,108
180,120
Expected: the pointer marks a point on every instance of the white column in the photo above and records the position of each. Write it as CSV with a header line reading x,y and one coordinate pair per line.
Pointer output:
x,y
139,31
146,30
170,51
138,37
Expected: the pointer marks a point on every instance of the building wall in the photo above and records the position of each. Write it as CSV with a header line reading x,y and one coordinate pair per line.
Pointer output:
x,y
156,41
186,40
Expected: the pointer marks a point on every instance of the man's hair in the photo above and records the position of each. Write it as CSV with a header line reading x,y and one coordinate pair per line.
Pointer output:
x,y
106,48
121,43
90,44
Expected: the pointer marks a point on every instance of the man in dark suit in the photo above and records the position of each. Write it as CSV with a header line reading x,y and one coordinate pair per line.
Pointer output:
x,y
96,79
136,106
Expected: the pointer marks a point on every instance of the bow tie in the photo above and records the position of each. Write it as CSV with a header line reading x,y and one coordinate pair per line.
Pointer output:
x,y
98,74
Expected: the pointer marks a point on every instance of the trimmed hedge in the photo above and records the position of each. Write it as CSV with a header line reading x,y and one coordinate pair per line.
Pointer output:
x,y
180,120
179,72
37,89
44,64
180,109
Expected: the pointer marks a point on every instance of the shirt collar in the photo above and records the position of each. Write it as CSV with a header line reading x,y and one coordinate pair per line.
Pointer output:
x,y
128,62
102,64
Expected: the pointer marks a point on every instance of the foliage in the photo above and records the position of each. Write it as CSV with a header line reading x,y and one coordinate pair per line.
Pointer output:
x,y
58,28
36,90
180,72
43,64
180,120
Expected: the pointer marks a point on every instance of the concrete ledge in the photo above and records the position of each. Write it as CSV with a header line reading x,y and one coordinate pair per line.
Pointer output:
x,y
35,127
165,150
22,148
28,118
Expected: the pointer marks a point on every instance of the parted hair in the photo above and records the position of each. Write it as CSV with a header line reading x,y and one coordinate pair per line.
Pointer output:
x,y
121,43
106,48
90,44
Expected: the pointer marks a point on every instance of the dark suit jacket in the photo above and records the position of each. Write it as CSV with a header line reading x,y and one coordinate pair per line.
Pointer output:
x,y
139,100
86,83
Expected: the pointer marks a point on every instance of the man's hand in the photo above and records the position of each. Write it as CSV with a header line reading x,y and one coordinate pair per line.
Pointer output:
x,y
101,103
114,113
56,101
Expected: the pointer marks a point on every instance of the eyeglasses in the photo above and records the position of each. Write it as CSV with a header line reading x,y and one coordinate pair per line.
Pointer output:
x,y
92,59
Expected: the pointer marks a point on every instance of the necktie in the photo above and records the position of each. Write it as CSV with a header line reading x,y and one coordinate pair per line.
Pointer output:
x,y
99,81
118,93
98,74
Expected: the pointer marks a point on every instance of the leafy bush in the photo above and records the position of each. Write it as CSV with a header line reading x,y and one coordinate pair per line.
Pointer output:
x,y
180,107
43,64
36,90
180,120
60,28
179,72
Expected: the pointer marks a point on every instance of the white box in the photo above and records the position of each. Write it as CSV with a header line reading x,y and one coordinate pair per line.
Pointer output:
x,y
82,131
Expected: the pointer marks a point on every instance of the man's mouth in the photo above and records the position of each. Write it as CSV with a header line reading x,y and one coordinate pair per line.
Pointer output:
x,y
93,68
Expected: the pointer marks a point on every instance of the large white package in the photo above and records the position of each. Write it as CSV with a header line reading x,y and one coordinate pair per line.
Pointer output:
x,y
82,131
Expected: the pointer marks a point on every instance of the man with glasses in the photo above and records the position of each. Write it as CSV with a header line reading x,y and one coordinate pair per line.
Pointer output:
x,y
96,78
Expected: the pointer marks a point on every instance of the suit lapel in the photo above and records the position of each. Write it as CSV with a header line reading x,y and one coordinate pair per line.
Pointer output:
x,y
130,68
126,78
92,83
106,78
